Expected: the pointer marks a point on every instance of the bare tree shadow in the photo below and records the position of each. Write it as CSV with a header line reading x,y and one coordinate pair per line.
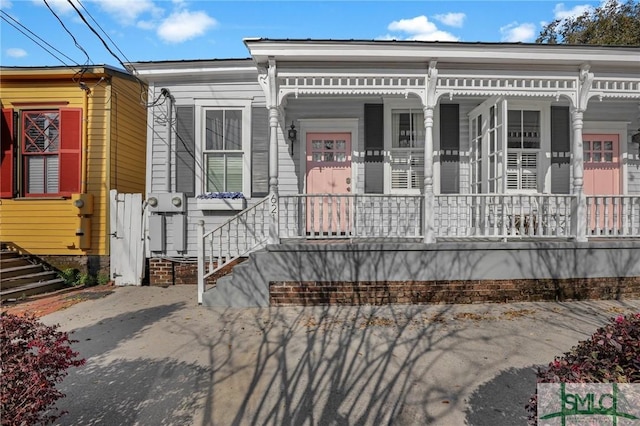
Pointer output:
x,y
501,401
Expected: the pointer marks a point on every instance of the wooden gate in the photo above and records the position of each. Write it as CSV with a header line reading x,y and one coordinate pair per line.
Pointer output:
x,y
127,239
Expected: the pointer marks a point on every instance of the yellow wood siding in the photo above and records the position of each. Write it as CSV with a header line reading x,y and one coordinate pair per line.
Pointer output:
x,y
48,226
128,136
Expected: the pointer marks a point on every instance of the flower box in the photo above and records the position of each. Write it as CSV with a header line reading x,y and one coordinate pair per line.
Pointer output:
x,y
221,204
221,201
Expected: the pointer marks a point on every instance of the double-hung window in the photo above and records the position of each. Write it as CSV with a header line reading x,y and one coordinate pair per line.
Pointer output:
x,y
42,158
407,150
223,150
524,135
226,147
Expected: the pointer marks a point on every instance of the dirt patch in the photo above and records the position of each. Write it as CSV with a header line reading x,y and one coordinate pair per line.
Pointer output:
x,y
46,304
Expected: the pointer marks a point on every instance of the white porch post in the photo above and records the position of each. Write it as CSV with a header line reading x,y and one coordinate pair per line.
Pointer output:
x,y
429,104
429,196
269,82
579,211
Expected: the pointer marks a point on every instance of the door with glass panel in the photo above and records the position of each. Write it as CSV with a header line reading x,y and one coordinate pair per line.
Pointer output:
x,y
602,177
328,208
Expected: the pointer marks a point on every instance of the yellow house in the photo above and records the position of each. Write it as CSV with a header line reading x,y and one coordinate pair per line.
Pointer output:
x,y
69,136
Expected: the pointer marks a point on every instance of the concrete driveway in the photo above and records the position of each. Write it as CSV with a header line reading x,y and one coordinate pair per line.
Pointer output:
x,y
154,357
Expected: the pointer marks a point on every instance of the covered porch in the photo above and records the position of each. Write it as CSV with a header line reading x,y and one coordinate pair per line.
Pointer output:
x,y
477,179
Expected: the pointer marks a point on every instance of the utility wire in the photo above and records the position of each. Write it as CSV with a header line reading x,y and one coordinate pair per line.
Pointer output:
x,y
67,30
105,33
140,82
96,33
15,25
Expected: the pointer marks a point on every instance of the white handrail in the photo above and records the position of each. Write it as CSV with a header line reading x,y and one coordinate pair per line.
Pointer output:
x,y
235,238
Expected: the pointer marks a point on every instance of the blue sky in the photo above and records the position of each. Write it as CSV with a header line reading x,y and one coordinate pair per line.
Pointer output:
x,y
146,30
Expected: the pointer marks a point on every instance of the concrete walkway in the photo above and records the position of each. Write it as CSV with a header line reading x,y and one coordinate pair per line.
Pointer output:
x,y
154,357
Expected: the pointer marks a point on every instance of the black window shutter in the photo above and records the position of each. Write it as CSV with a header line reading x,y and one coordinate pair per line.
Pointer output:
x,y
185,150
560,135
373,132
259,151
449,148
450,131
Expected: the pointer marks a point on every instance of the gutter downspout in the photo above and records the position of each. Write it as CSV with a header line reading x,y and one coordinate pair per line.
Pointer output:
x,y
167,95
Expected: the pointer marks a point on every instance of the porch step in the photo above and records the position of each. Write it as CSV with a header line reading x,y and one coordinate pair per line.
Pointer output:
x,y
23,276
31,289
7,283
242,288
16,271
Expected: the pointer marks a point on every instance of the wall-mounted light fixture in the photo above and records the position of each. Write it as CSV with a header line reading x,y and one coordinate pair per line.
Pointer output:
x,y
292,135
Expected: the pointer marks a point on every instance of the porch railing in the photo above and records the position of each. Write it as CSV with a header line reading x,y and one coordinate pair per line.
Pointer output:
x,y
237,237
502,216
331,216
613,216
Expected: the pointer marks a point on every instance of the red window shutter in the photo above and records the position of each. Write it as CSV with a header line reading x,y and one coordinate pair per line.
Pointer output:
x,y
70,150
6,150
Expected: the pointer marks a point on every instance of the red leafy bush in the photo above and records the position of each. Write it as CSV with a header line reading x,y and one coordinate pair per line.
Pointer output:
x,y
34,358
611,355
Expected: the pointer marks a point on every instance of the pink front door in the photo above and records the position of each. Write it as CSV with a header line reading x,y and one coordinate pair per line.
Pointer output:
x,y
601,175
328,173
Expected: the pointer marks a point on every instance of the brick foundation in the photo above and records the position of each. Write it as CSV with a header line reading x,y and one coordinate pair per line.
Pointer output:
x,y
164,272
414,292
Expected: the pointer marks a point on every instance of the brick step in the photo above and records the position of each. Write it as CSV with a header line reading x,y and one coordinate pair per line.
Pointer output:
x,y
20,270
31,289
7,283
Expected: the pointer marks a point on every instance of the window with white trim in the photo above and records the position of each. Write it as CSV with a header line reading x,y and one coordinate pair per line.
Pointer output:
x,y
523,148
407,149
224,145
223,150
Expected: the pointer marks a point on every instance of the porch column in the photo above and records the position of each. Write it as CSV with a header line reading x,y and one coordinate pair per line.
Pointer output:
x,y
579,211
268,80
429,197
274,225
429,102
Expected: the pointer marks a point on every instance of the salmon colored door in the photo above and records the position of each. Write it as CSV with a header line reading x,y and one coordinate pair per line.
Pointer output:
x,y
328,183
602,176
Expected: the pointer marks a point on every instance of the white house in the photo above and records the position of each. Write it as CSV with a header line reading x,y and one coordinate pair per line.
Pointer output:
x,y
410,153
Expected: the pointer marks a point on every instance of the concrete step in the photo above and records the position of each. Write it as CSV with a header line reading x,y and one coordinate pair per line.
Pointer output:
x,y
7,283
20,270
27,290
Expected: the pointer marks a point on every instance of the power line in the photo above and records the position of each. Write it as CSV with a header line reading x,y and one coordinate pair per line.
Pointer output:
x,y
69,32
13,24
104,32
96,33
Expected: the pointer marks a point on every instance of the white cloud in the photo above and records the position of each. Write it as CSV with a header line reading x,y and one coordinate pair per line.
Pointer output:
x,y
420,28
184,25
146,25
15,52
5,4
515,32
452,19
127,11
560,12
